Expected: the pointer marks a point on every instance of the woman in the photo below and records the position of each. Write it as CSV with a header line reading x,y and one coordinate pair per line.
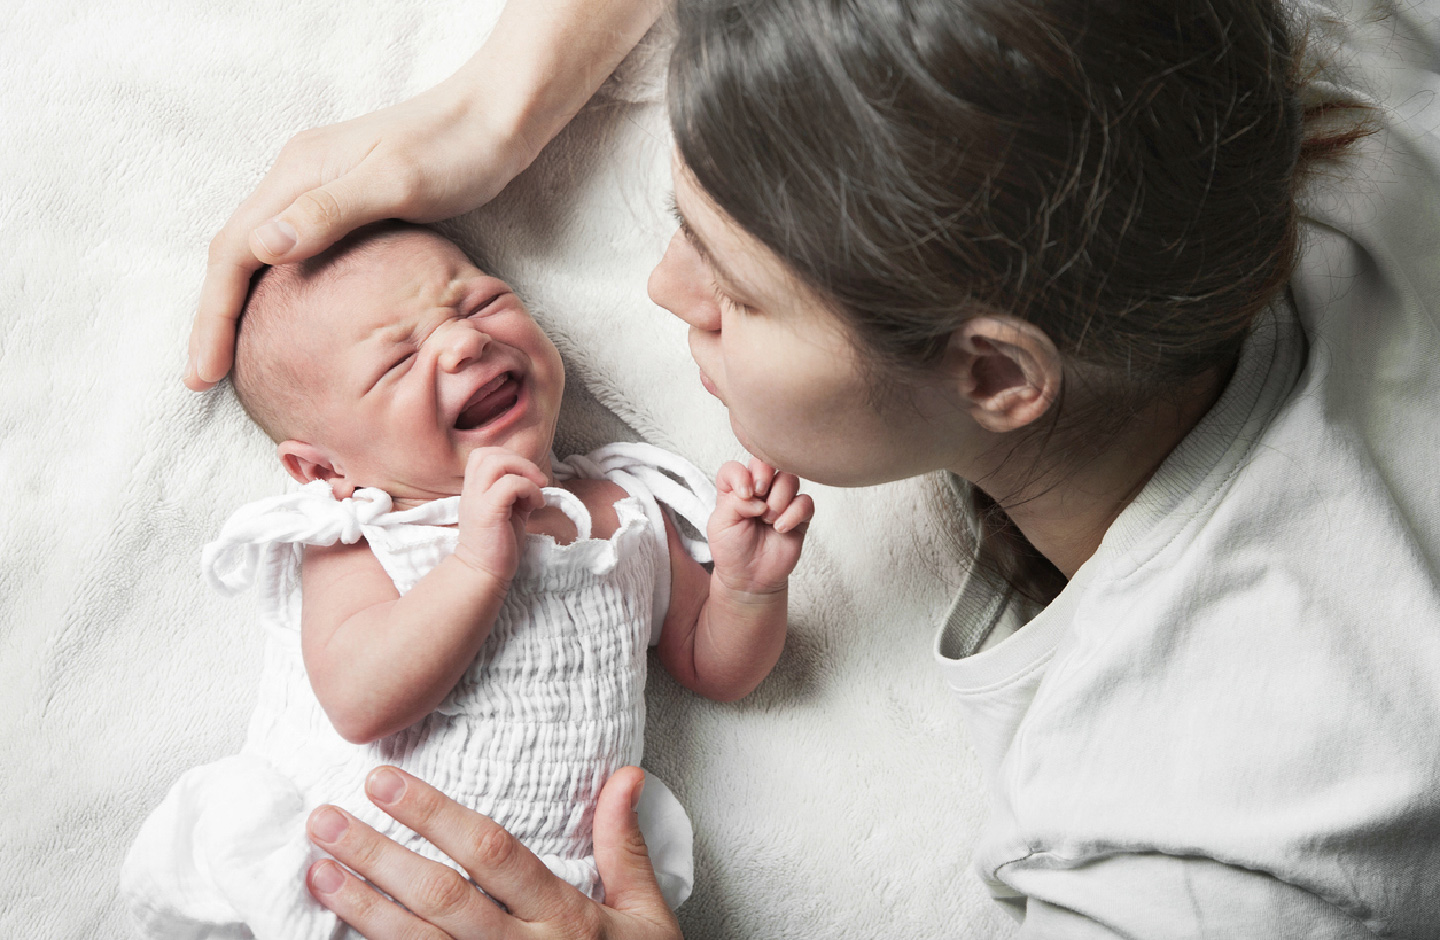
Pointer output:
x,y
1044,246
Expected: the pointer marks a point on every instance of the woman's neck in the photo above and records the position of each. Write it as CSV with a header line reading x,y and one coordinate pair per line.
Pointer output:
x,y
1065,509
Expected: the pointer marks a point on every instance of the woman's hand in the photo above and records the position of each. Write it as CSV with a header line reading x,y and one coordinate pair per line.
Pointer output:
x,y
439,154
440,903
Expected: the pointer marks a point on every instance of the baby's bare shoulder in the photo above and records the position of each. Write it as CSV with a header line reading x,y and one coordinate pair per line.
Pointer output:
x,y
600,497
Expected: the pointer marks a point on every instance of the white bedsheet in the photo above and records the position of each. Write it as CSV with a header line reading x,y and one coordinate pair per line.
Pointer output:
x,y
840,800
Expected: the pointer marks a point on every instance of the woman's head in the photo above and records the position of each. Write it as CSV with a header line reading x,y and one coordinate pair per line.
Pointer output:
x,y
1112,179
1117,173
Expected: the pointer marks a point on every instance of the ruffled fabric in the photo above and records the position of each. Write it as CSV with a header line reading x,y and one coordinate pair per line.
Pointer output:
x,y
227,846
252,539
655,478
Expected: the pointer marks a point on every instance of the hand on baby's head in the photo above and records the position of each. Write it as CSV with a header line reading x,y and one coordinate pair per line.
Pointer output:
x,y
386,360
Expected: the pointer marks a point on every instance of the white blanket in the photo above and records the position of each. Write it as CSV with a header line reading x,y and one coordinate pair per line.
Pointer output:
x,y
839,800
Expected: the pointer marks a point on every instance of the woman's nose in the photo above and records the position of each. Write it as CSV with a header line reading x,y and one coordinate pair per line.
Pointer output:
x,y
681,283
461,343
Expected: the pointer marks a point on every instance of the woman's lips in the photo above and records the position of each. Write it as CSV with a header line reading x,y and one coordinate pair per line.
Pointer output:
x,y
489,402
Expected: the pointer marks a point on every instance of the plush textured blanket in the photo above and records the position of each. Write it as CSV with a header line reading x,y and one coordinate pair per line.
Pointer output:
x,y
839,800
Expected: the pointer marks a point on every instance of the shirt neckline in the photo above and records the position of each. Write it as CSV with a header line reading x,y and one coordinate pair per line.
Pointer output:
x,y
1194,473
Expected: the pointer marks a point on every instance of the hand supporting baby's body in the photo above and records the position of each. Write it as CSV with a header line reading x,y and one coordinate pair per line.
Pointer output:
x,y
484,639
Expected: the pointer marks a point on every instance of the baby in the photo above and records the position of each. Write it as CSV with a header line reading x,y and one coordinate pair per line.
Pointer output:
x,y
443,595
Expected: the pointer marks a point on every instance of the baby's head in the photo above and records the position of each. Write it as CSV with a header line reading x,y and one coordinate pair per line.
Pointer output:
x,y
387,359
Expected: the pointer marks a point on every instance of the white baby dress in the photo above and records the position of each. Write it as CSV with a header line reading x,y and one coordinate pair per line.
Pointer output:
x,y
553,704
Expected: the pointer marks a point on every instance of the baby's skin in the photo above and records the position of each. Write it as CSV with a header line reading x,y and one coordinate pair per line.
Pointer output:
x,y
418,374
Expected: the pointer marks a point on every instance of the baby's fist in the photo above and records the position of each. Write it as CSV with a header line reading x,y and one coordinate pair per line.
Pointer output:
x,y
758,526
501,490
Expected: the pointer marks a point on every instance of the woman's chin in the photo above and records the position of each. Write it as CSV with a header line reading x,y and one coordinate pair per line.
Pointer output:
x,y
755,449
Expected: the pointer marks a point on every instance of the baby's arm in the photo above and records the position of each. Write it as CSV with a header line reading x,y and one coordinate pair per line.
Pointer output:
x,y
379,662
724,632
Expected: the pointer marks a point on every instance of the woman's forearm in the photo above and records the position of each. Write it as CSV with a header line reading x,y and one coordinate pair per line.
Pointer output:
x,y
545,58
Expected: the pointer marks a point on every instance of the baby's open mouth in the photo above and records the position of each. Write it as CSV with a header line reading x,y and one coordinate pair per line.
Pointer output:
x,y
489,402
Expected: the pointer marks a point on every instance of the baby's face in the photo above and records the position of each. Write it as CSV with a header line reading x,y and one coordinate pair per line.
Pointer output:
x,y
418,358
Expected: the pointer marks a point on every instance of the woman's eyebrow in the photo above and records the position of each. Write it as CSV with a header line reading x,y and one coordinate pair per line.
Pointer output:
x,y
702,249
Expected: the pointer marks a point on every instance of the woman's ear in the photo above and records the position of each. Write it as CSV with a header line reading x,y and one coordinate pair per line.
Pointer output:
x,y
306,462
1008,370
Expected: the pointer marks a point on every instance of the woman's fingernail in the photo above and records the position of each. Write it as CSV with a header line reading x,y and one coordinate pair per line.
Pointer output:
x,y
639,792
385,785
277,235
327,824
326,877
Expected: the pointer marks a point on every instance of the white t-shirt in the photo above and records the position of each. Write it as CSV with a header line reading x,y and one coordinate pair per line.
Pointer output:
x,y
1228,723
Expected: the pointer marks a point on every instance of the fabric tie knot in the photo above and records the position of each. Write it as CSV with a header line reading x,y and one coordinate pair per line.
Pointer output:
x,y
309,516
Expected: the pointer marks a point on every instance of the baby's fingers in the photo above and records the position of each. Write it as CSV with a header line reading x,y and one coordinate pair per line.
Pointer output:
x,y
796,516
734,478
782,491
488,465
761,473
514,494
730,505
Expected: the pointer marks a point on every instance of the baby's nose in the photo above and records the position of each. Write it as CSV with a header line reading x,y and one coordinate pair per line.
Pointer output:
x,y
460,344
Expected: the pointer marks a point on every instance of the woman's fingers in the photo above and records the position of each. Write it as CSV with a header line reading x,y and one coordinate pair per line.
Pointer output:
x,y
212,335
433,893
364,908
496,860
319,217
325,183
228,271
620,851
438,903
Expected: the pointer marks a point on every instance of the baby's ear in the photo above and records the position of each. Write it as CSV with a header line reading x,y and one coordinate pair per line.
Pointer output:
x,y
306,462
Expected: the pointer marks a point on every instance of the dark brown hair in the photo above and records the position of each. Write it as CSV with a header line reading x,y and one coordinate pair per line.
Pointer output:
x,y
1120,173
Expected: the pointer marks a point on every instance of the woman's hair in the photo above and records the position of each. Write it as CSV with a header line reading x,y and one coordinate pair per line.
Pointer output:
x,y
1120,173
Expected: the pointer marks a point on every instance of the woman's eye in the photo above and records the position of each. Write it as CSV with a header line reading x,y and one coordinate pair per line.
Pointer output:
x,y
729,303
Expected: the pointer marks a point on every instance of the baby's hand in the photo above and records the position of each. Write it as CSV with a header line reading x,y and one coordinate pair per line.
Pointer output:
x,y
758,526
501,490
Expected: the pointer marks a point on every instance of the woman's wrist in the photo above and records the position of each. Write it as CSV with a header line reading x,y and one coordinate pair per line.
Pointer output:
x,y
511,117
539,66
